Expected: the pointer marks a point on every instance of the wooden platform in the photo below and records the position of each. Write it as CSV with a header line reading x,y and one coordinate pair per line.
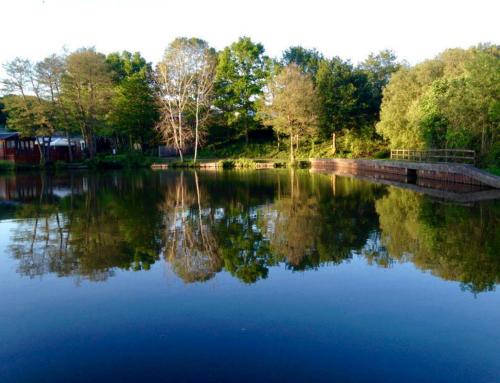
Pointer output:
x,y
159,166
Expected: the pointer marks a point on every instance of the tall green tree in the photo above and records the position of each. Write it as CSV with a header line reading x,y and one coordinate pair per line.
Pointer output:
x,y
291,106
344,95
241,74
307,60
134,113
87,91
378,69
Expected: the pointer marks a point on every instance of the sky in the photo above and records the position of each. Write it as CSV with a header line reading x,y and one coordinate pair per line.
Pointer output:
x,y
351,29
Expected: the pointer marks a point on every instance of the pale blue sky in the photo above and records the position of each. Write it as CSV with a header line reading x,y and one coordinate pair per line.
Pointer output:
x,y
416,30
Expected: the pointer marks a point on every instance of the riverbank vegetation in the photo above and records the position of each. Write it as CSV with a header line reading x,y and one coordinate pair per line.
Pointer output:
x,y
241,103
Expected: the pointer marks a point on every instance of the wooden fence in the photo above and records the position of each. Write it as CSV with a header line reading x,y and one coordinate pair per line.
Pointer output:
x,y
435,155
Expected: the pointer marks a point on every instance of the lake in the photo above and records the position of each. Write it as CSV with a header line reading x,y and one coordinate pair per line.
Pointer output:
x,y
272,275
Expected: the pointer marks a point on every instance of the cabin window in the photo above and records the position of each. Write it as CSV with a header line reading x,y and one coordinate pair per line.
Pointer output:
x,y
11,144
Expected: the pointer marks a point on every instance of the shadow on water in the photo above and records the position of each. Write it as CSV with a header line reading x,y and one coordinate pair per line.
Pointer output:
x,y
89,225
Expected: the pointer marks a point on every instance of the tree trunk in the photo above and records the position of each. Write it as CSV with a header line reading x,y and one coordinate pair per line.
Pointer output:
x,y
292,157
181,143
70,151
246,133
196,130
42,151
334,144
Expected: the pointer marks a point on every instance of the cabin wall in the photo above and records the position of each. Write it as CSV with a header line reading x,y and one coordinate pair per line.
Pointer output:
x,y
26,151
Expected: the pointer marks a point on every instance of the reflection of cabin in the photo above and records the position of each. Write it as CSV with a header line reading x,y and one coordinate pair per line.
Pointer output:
x,y
23,187
20,188
19,149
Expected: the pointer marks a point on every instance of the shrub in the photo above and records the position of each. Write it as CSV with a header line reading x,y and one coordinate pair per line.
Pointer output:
x,y
382,154
7,165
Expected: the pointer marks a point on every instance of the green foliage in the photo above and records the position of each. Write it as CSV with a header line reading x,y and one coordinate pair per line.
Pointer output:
x,y
291,107
7,165
87,92
449,102
129,160
307,60
241,74
494,170
344,95
134,111
239,163
452,101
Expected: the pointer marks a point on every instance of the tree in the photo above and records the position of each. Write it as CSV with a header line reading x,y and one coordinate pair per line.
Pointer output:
x,y
241,74
134,110
87,90
448,102
379,69
291,106
184,82
32,104
307,60
205,61
3,115
50,73
344,93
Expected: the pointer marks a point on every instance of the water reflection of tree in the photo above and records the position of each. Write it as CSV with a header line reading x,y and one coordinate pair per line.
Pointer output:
x,y
320,219
245,223
205,233
454,242
190,245
88,235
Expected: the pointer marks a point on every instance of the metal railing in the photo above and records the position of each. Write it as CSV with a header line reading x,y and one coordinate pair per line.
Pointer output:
x,y
435,155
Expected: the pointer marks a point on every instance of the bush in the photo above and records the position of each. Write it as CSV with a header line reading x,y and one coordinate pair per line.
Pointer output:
x,y
493,158
120,161
7,165
382,154
239,163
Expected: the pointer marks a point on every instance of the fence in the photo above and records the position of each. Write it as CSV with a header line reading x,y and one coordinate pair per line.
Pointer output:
x,y
435,155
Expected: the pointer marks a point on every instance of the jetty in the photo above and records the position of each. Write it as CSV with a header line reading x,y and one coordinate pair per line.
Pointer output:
x,y
412,170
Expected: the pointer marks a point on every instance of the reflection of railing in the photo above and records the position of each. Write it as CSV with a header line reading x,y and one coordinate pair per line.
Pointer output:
x,y
435,155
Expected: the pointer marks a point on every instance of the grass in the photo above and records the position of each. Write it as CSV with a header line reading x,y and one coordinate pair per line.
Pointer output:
x,y
8,166
122,161
493,170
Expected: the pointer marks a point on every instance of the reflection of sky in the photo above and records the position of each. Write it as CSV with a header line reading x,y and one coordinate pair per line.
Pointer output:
x,y
349,320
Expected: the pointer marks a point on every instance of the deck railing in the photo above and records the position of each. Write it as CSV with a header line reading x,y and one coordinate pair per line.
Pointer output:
x,y
435,155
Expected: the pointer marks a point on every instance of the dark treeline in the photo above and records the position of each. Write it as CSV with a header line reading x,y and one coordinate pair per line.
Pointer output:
x,y
301,104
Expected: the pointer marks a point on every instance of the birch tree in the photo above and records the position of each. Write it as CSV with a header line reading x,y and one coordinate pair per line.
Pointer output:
x,y
184,84
205,62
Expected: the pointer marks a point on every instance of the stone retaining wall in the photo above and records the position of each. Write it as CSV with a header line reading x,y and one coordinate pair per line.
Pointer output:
x,y
444,172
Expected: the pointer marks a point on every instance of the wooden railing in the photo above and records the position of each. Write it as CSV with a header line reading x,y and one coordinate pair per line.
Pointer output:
x,y
435,155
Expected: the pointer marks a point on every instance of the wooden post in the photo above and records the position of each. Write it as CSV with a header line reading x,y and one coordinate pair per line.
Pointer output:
x,y
334,145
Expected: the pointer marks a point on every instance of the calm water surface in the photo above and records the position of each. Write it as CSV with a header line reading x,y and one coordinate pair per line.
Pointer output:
x,y
244,276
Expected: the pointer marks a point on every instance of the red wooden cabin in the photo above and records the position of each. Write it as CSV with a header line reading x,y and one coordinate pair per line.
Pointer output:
x,y
19,149
16,149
